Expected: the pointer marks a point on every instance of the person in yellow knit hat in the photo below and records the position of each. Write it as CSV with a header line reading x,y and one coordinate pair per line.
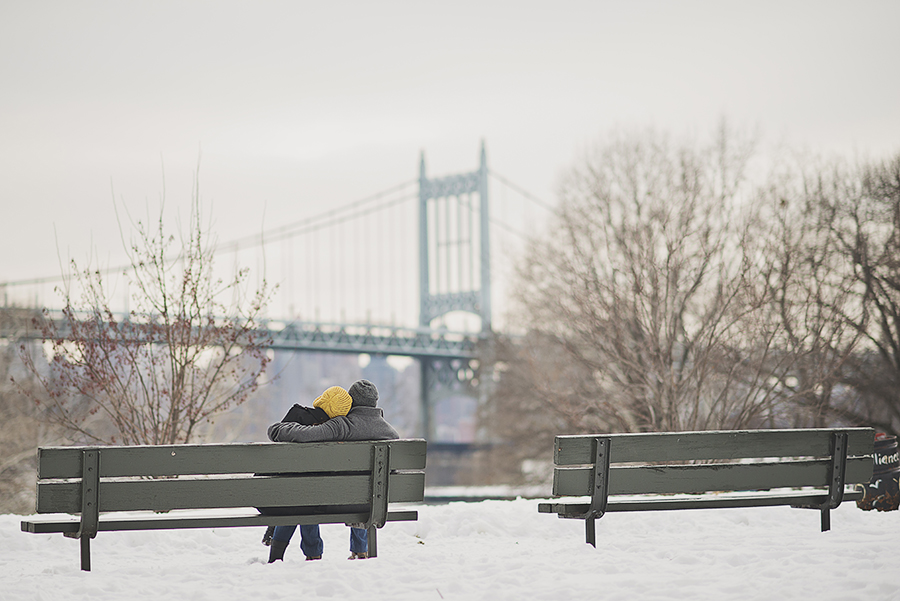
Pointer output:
x,y
332,403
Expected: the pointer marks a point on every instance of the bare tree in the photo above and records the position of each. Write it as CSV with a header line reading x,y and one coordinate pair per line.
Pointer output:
x,y
646,304
810,291
188,350
865,207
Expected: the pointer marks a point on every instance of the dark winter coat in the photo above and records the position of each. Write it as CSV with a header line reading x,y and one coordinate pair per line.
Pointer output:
x,y
308,416
361,423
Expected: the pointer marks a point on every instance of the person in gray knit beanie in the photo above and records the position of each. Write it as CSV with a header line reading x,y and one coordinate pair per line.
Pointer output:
x,y
364,394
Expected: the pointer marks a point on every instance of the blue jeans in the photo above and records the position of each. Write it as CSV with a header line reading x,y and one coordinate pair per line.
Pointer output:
x,y
311,541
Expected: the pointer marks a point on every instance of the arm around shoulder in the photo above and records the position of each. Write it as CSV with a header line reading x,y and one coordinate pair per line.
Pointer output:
x,y
333,429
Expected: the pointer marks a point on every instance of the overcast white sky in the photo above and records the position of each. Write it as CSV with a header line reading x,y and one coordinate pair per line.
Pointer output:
x,y
301,105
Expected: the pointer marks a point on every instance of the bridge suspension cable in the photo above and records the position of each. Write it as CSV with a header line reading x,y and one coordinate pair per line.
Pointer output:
x,y
316,222
296,228
525,193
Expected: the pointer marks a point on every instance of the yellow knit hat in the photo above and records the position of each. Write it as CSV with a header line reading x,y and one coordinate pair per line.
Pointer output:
x,y
334,401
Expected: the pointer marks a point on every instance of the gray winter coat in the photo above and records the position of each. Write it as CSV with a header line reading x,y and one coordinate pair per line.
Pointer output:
x,y
361,423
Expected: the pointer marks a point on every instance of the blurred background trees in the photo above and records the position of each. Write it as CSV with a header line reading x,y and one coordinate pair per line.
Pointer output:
x,y
674,291
23,428
865,207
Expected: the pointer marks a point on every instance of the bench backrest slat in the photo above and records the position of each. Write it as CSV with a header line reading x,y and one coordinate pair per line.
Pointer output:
x,y
712,445
625,480
177,460
163,478
203,493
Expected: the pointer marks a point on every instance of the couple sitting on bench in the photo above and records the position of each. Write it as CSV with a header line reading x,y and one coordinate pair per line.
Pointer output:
x,y
336,415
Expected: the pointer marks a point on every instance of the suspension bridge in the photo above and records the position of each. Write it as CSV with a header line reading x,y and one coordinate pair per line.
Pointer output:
x,y
411,271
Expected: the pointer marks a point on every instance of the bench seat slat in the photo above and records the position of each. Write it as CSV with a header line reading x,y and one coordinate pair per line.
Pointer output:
x,y
259,491
706,502
164,523
711,477
175,460
712,445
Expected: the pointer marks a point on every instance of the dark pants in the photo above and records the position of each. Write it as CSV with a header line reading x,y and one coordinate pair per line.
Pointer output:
x,y
311,541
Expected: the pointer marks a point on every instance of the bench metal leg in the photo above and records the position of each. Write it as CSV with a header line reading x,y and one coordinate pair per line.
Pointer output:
x,y
86,553
373,541
826,519
590,533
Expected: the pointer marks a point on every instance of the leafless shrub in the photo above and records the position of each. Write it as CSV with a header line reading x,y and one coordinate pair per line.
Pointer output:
x,y
188,350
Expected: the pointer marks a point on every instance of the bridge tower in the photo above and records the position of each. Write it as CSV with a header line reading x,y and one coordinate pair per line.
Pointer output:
x,y
454,270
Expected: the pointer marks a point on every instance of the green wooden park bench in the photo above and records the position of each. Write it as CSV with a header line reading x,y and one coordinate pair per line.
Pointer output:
x,y
310,483
699,470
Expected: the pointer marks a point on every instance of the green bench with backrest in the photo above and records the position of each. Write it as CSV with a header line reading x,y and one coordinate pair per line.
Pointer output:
x,y
311,483
807,468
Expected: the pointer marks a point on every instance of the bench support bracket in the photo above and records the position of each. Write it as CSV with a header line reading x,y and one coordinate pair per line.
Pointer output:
x,y
90,505
599,489
837,476
381,467
838,471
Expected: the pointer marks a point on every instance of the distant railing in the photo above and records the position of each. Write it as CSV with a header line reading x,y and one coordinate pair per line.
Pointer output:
x,y
373,339
304,336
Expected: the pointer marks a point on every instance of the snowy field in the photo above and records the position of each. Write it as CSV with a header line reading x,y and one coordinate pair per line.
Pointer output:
x,y
490,550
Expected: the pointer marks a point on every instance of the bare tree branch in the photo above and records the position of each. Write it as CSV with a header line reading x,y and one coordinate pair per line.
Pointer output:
x,y
182,354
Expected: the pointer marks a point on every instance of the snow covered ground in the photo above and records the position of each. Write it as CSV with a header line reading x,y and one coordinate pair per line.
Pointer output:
x,y
490,550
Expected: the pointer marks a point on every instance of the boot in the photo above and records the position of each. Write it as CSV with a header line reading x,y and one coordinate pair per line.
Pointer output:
x,y
276,550
267,537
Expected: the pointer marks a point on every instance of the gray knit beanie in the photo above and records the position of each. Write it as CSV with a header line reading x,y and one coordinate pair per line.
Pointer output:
x,y
364,394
